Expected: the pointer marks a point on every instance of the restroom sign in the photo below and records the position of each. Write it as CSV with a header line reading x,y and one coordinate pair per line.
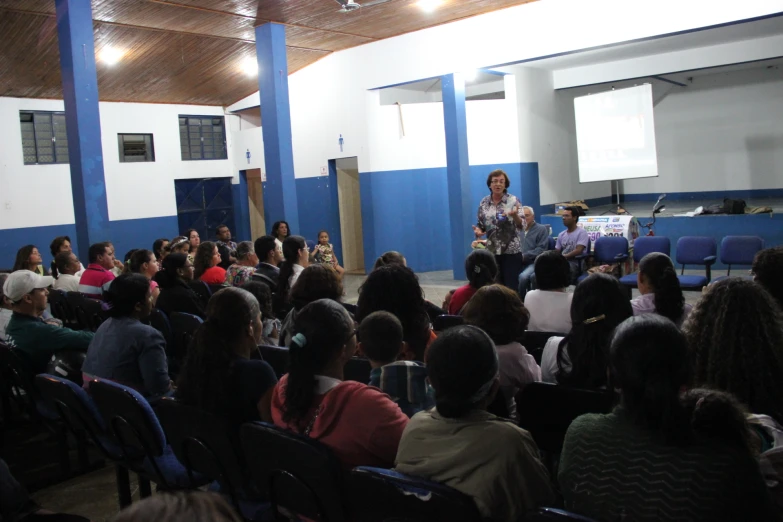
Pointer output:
x,y
323,171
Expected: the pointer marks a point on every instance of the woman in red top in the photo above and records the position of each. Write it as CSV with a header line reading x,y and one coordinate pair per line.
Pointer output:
x,y
482,270
359,423
205,263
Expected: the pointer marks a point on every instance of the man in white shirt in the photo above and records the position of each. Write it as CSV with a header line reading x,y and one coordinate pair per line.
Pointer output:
x,y
550,304
67,265
5,308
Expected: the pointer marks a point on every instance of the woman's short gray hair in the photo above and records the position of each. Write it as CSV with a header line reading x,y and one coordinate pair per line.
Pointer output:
x,y
244,249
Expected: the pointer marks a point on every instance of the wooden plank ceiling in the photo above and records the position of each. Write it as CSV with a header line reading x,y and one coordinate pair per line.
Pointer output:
x,y
192,51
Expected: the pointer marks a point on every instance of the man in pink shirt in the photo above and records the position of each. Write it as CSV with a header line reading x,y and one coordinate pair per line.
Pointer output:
x,y
97,277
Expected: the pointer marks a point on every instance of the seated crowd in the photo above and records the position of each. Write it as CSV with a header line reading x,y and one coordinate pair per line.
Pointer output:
x,y
698,389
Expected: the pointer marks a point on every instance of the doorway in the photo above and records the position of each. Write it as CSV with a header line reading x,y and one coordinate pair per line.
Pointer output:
x,y
255,196
204,204
344,175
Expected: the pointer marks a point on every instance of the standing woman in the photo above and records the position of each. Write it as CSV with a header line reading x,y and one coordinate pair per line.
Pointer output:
x,y
207,259
499,219
660,289
195,240
296,258
145,263
280,231
28,258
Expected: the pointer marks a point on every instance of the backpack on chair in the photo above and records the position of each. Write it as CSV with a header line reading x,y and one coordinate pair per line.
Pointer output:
x,y
734,206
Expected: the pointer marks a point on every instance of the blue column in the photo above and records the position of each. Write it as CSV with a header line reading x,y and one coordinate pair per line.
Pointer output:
x,y
457,170
83,122
280,189
241,230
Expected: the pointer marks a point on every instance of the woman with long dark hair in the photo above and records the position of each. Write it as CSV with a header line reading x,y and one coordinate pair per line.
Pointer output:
x,y
580,358
395,289
359,423
145,263
661,293
218,375
661,456
125,349
295,259
391,257
174,280
280,231
206,262
460,444
481,270
28,258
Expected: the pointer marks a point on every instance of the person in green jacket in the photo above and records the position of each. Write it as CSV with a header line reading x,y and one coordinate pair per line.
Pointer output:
x,y
27,332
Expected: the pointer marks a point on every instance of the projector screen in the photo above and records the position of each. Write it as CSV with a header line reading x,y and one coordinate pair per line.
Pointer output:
x,y
615,135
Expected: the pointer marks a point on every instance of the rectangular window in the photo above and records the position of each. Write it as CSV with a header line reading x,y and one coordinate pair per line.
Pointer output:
x,y
135,148
202,137
44,138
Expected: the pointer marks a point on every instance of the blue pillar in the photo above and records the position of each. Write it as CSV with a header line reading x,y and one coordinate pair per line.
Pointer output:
x,y
457,170
280,189
83,122
241,230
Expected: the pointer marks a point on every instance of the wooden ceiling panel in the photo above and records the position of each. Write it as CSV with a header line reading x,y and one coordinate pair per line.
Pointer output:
x,y
298,36
246,8
294,11
29,56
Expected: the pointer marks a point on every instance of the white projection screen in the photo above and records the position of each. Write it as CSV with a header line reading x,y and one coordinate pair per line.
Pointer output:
x,y
615,135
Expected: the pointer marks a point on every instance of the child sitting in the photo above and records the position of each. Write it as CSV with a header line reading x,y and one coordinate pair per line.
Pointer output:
x,y
394,370
324,253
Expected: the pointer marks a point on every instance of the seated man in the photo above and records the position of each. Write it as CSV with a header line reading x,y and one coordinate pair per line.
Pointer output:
x,y
98,275
269,257
572,241
26,331
394,369
550,304
535,240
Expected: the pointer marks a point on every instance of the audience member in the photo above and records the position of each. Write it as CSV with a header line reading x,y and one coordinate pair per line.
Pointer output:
x,y
572,242
316,282
498,311
159,247
246,260
280,231
768,273
481,270
735,335
535,241
62,244
28,258
176,295
395,289
394,370
390,258
295,259
194,240
65,268
125,349
218,375
655,457
661,293
145,263
359,423
119,266
580,358
190,506
324,253
98,275
26,331
224,238
272,326
550,304
205,264
460,444
5,309
180,245
269,258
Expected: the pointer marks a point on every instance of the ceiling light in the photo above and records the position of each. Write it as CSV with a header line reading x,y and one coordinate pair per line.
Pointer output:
x,y
250,66
110,55
428,6
470,74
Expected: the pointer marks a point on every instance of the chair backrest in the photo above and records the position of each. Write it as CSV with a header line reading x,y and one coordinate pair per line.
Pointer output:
x,y
160,321
216,288
73,404
76,302
277,357
646,244
534,342
204,444
546,410
94,311
550,244
62,310
383,495
740,250
607,248
357,369
183,327
202,289
692,250
17,373
294,472
555,515
445,321
129,419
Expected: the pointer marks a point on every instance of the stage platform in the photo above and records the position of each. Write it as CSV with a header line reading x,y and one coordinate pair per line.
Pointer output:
x,y
767,226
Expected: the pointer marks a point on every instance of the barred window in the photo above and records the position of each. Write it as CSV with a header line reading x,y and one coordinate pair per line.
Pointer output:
x,y
44,138
202,137
136,148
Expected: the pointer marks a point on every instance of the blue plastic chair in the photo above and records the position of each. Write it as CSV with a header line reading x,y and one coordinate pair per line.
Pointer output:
x,y
608,250
446,321
556,515
641,247
739,250
134,429
379,495
183,326
551,243
696,250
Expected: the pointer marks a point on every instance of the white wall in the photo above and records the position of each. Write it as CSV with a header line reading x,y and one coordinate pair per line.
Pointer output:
x,y
133,190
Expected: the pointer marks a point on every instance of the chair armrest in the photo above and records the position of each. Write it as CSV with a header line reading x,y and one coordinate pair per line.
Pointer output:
x,y
710,260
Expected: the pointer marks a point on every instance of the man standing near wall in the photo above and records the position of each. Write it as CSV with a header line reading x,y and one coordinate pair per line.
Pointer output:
x,y
534,239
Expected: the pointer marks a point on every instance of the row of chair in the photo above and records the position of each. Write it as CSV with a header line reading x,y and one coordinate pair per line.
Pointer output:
x,y
76,311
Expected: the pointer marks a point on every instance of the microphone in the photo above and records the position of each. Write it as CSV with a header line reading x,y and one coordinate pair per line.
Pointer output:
x,y
661,197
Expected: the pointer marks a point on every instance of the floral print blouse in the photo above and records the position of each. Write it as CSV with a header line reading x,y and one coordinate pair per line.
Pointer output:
x,y
237,275
502,233
324,254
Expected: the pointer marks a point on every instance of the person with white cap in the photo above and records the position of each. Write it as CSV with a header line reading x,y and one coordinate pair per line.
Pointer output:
x,y
27,332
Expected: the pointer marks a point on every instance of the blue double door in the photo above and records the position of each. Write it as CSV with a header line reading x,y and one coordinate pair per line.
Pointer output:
x,y
204,204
